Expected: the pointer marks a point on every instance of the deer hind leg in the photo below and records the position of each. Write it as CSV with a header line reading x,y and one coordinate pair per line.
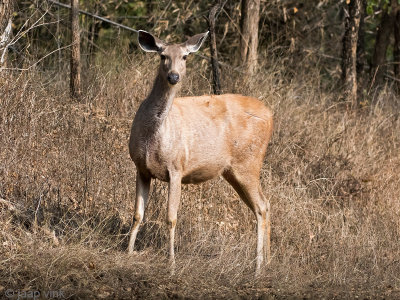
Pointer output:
x,y
268,225
174,195
142,194
249,189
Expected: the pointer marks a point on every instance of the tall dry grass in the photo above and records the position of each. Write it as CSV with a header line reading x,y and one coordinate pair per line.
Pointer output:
x,y
67,191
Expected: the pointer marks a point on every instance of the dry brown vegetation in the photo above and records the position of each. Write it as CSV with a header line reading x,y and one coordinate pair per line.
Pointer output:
x,y
67,191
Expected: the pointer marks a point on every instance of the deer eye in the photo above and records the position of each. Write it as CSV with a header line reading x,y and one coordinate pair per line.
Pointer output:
x,y
163,57
184,57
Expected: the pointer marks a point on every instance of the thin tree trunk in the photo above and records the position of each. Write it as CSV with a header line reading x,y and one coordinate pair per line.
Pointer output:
x,y
249,34
396,47
151,12
93,33
213,48
75,80
361,42
349,54
6,10
381,44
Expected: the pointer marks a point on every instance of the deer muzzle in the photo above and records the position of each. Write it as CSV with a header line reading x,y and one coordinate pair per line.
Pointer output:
x,y
173,78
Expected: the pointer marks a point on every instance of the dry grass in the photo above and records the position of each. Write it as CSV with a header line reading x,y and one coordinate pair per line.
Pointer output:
x,y
67,189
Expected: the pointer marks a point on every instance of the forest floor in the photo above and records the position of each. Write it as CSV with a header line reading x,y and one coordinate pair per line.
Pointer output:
x,y
67,186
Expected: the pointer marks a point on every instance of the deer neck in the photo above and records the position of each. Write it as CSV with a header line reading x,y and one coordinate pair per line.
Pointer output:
x,y
158,104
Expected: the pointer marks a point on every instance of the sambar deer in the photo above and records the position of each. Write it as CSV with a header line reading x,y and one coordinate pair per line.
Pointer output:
x,y
194,139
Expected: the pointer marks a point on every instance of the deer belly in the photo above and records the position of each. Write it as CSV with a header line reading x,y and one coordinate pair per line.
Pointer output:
x,y
202,174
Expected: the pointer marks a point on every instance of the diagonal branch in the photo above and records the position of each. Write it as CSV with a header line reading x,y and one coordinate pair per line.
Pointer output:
x,y
94,16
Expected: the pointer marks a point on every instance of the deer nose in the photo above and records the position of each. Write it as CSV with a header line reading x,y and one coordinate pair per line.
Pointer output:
x,y
173,78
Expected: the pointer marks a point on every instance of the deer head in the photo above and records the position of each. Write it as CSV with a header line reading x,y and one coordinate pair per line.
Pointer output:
x,y
173,56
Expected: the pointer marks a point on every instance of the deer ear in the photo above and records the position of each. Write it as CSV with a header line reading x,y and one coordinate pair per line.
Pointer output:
x,y
194,43
149,43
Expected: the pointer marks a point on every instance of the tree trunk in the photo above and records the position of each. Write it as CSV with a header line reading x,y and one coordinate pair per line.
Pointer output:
x,y
213,48
249,34
75,80
361,42
381,44
6,10
151,7
349,54
92,33
396,47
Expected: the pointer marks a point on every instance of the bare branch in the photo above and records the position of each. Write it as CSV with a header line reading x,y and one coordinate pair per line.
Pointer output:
x,y
94,16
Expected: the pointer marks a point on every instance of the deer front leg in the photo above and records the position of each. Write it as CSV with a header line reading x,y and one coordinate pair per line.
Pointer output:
x,y
142,194
174,196
268,220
